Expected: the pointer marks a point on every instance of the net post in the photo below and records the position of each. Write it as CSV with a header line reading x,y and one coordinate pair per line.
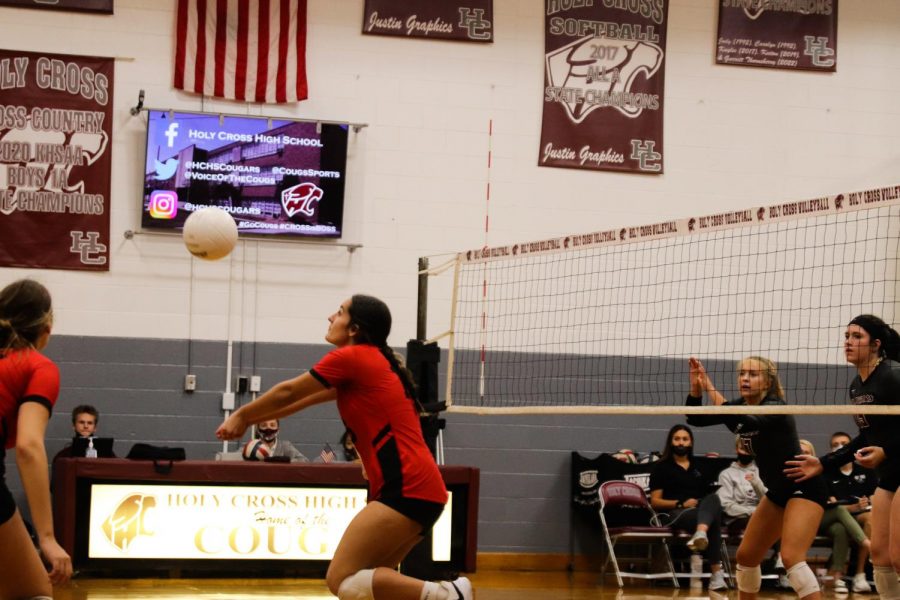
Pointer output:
x,y
422,301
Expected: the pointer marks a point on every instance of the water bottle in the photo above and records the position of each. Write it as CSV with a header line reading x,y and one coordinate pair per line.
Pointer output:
x,y
91,452
696,571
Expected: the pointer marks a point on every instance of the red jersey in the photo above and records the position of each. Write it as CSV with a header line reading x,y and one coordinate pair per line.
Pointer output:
x,y
25,376
385,427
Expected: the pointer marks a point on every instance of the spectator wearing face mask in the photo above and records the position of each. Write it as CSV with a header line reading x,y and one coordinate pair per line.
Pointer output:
x,y
267,431
740,488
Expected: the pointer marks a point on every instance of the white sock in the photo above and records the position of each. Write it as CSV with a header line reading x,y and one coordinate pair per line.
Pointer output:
x,y
886,583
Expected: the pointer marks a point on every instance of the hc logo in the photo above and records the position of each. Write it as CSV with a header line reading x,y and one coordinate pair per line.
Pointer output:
x,y
171,133
816,48
645,155
473,21
88,246
302,199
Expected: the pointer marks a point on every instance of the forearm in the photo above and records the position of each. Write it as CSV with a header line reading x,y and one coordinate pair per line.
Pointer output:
x,y
32,463
285,398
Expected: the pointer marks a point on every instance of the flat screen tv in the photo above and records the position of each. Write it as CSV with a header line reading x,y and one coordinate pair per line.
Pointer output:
x,y
276,177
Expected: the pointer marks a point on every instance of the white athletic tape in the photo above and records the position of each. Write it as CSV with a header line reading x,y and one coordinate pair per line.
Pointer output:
x,y
802,579
358,586
749,579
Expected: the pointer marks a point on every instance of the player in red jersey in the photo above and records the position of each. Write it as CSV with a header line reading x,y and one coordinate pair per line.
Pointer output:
x,y
29,386
375,398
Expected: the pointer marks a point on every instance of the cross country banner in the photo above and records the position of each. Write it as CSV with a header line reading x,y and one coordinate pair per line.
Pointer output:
x,y
55,134
461,20
778,34
604,75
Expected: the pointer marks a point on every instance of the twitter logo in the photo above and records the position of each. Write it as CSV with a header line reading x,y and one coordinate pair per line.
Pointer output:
x,y
167,169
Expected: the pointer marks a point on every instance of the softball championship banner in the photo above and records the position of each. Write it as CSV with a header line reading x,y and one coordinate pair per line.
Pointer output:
x,y
464,20
760,215
778,34
604,85
55,160
134,521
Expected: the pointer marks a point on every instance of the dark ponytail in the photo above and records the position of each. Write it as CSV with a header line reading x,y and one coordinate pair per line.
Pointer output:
x,y
372,319
879,330
25,314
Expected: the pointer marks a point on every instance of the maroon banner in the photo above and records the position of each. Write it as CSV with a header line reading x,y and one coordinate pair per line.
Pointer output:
x,y
55,147
463,20
778,34
604,76
99,6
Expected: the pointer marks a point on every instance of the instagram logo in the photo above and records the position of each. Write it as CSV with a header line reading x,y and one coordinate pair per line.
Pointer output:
x,y
163,204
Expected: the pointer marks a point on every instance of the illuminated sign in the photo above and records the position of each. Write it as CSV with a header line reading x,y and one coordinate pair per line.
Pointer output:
x,y
227,522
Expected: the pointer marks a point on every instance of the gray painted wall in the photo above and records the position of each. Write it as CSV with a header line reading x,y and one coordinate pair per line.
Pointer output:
x,y
524,460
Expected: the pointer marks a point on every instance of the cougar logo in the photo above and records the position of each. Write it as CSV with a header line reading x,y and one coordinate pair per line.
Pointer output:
x,y
302,199
601,68
91,147
129,520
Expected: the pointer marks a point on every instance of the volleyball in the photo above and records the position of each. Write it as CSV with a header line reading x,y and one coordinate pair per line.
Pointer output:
x,y
210,233
256,450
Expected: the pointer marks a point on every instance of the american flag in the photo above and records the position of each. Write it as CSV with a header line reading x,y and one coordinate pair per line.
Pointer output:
x,y
327,454
253,50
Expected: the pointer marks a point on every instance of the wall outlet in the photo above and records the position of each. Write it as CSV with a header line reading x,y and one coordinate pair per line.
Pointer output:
x,y
255,383
227,400
190,383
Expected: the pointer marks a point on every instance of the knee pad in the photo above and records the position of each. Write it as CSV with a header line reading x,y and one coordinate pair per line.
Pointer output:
x,y
886,583
802,579
358,586
749,579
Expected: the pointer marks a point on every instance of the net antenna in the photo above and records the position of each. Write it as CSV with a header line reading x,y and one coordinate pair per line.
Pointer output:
x,y
604,322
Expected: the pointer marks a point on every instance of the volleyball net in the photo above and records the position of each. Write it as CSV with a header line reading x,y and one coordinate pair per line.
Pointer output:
x,y
605,321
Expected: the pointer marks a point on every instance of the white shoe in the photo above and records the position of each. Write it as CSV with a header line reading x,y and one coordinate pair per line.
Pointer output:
x,y
840,587
860,585
717,581
698,542
462,586
783,582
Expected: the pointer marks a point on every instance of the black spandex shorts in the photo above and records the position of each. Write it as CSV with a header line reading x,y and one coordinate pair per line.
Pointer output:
x,y
7,504
888,476
813,490
423,512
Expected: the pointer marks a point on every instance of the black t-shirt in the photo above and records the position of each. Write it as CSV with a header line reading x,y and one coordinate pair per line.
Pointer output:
x,y
849,488
771,439
678,483
881,387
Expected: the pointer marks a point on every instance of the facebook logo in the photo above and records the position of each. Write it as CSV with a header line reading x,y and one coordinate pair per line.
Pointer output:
x,y
171,133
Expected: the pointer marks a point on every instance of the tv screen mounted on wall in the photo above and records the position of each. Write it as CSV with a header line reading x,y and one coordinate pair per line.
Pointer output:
x,y
276,177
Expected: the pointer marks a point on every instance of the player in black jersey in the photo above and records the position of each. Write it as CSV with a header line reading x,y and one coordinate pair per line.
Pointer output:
x,y
790,511
873,347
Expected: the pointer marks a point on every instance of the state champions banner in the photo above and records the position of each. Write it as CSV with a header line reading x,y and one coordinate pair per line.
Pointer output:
x,y
55,163
604,85
778,34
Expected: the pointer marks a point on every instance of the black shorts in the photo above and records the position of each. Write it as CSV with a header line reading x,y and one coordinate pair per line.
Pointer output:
x,y
423,512
888,475
813,489
7,504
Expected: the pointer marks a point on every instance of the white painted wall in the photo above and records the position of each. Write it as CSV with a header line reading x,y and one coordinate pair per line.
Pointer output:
x,y
734,137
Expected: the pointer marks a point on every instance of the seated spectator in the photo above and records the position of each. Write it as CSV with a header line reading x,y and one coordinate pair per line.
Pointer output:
x,y
85,419
740,488
679,492
267,431
350,454
851,486
841,527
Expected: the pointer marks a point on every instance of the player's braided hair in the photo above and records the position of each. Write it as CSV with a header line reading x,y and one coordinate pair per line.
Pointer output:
x,y
25,313
879,330
373,320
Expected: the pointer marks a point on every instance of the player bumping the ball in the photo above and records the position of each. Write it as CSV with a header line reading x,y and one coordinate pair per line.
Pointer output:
x,y
375,397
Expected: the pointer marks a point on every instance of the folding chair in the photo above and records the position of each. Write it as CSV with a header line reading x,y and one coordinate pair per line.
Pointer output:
x,y
628,517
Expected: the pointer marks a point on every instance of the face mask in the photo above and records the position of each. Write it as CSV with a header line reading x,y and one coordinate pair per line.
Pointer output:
x,y
745,459
681,450
268,435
